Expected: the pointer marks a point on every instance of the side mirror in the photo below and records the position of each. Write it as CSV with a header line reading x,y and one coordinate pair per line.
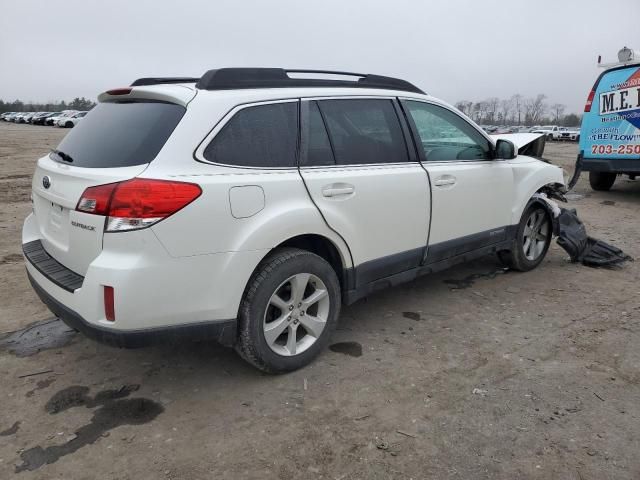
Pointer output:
x,y
505,150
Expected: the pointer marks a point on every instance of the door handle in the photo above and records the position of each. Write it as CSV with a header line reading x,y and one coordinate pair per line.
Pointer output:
x,y
444,181
337,189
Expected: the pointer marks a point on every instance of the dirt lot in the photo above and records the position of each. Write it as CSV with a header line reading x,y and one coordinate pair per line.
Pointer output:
x,y
470,374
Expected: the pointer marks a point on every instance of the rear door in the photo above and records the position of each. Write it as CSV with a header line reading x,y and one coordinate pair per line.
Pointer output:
x,y
471,193
367,184
115,142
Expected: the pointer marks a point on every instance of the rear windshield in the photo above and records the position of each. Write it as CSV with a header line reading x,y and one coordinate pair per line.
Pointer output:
x,y
119,134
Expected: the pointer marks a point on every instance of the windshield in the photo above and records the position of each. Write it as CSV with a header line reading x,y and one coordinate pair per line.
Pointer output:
x,y
120,134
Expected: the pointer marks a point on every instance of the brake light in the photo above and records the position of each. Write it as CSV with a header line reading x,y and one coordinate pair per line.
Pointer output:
x,y
587,106
109,305
137,203
119,91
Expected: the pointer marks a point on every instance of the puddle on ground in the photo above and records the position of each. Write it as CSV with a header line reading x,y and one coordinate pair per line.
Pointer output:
x,y
77,395
11,430
353,349
469,280
113,411
607,202
43,335
412,316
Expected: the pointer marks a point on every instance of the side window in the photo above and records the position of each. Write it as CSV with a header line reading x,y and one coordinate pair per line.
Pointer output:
x,y
316,148
259,136
364,131
446,136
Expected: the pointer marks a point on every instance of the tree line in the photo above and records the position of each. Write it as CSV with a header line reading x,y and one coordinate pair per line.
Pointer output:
x,y
78,103
518,110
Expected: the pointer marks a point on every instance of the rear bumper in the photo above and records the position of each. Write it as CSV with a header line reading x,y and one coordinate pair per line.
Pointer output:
x,y
616,165
223,332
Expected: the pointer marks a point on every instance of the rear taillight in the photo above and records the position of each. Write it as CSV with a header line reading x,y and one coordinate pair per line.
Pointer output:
x,y
137,203
587,106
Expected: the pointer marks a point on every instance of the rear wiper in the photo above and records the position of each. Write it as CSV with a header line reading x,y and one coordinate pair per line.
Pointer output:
x,y
64,156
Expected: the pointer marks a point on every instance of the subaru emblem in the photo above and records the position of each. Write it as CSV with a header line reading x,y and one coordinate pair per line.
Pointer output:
x,y
46,181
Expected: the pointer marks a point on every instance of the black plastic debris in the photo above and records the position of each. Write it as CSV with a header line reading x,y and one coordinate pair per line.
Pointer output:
x,y
572,236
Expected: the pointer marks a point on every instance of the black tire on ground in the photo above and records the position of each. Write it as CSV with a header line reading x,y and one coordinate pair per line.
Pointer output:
x,y
516,257
69,124
265,281
602,181
549,136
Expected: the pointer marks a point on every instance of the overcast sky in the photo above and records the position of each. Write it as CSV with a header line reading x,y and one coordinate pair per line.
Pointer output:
x,y
453,49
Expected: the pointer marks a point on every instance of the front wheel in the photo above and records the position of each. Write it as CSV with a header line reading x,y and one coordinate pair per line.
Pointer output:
x,y
290,308
532,240
602,181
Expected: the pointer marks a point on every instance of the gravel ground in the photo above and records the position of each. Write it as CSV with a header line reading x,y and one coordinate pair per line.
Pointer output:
x,y
470,373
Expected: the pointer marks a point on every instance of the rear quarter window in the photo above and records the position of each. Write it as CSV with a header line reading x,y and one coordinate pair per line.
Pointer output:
x,y
258,136
120,134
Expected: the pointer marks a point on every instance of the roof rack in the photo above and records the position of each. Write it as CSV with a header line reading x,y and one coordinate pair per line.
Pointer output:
x,y
241,78
159,80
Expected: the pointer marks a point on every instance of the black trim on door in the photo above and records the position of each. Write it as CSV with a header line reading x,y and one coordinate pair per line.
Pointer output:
x,y
372,270
447,254
468,243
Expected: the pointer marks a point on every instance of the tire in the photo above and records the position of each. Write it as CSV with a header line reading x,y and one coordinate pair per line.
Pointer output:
x,y
602,181
532,240
278,280
550,136
68,125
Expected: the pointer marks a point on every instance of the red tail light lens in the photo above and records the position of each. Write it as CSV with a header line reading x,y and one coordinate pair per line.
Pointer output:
x,y
587,106
137,203
109,304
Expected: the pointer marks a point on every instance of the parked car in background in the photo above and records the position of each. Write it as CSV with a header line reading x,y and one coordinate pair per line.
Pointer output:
x,y
71,120
567,134
180,227
40,118
53,119
550,131
5,116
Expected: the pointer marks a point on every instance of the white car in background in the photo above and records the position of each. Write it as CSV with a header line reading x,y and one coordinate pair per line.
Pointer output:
x,y
53,120
247,205
71,120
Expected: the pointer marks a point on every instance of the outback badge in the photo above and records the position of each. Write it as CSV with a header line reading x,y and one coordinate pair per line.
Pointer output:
x,y
46,181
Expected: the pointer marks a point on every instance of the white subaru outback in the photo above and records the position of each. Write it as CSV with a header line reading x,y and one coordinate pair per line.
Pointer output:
x,y
247,205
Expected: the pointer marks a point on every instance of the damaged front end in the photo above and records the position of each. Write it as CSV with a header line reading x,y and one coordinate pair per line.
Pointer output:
x,y
572,234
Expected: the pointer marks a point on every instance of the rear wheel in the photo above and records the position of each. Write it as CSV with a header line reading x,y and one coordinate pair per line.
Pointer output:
x,y
68,124
290,307
532,240
602,181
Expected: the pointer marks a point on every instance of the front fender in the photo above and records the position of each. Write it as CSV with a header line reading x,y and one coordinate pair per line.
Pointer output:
x,y
529,176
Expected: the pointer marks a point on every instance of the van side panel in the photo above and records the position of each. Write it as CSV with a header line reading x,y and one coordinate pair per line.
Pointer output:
x,y
610,133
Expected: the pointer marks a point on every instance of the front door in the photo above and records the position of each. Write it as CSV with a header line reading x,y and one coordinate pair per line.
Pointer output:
x,y
471,192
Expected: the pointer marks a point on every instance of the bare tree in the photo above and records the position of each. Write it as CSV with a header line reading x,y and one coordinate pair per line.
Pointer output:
x,y
535,108
480,111
492,108
465,106
506,108
557,109
518,105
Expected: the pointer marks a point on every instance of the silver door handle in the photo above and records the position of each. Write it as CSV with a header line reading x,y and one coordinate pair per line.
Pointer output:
x,y
335,190
441,182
